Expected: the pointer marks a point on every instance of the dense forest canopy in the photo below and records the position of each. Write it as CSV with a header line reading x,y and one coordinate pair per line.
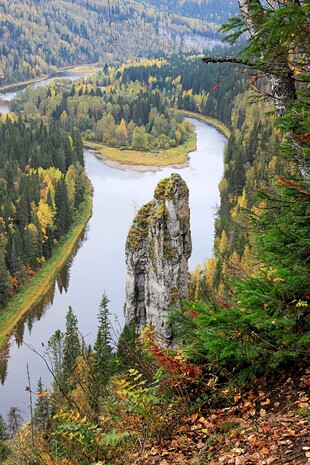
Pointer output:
x,y
145,93
214,10
119,115
37,37
42,184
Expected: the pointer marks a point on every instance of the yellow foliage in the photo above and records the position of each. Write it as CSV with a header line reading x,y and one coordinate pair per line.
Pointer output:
x,y
247,262
242,200
45,217
223,185
234,264
8,116
210,271
198,100
152,79
223,243
259,209
196,278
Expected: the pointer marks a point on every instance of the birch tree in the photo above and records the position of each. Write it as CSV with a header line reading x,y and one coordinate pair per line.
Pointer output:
x,y
278,44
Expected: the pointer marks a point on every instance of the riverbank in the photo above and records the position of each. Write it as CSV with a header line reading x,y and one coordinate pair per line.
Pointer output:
x,y
209,120
144,161
17,85
41,282
86,68
176,157
91,68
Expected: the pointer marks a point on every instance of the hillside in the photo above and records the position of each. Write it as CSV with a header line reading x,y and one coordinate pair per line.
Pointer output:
x,y
235,389
37,37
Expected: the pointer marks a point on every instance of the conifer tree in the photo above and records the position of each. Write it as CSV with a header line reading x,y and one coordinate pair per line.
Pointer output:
x,y
103,352
42,408
72,345
3,429
55,355
4,281
4,450
15,420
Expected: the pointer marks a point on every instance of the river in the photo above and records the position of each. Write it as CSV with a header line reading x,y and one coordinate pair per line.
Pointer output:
x,y
6,97
98,263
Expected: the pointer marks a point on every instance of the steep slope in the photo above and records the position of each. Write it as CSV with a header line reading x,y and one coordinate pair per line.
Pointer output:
x,y
36,37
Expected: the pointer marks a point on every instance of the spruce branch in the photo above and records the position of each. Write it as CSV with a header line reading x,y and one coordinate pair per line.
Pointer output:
x,y
227,60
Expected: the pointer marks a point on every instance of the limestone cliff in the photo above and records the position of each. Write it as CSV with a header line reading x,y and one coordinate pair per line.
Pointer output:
x,y
157,251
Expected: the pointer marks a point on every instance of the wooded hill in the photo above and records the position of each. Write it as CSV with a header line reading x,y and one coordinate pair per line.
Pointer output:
x,y
36,37
132,116
136,105
211,10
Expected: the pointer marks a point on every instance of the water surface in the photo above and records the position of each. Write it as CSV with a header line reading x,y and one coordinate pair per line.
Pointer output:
x,y
98,262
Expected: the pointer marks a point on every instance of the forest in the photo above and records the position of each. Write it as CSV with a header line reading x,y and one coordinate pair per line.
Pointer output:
x,y
137,105
42,186
236,389
132,116
38,37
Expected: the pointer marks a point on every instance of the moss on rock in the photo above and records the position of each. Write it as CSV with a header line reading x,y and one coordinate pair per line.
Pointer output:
x,y
139,228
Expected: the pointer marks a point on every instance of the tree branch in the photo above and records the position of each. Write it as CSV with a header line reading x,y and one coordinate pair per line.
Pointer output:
x,y
227,60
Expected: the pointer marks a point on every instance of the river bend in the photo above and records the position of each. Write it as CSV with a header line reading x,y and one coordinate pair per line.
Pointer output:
x,y
98,262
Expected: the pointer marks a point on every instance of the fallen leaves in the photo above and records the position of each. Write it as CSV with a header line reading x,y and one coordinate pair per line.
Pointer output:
x,y
258,428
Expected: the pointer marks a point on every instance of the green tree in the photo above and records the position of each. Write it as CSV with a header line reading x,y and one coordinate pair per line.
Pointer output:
x,y
15,420
55,355
4,450
104,360
139,141
4,279
3,429
32,246
42,408
71,345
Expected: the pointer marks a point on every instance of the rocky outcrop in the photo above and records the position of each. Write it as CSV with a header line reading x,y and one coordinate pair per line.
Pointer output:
x,y
158,247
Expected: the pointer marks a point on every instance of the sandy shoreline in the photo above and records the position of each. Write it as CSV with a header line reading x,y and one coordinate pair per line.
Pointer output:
x,y
130,166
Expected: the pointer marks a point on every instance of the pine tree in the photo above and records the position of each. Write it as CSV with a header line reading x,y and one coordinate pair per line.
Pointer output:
x,y
42,408
63,208
4,279
56,354
3,429
103,352
72,345
4,450
15,420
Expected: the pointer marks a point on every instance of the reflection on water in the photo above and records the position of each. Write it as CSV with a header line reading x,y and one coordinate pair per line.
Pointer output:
x,y
37,311
34,314
6,97
4,357
99,264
